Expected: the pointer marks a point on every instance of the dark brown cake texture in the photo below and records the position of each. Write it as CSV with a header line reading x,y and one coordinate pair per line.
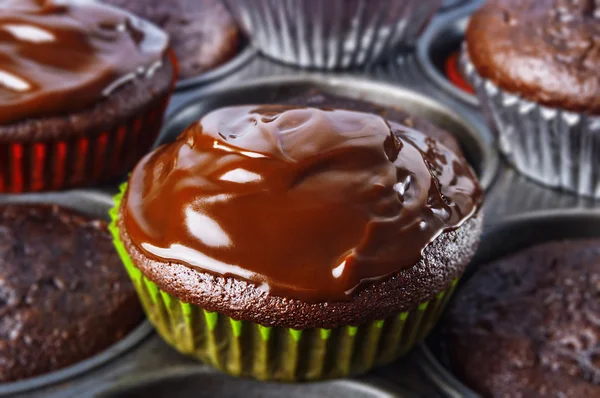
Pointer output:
x,y
547,51
528,325
443,260
203,34
64,295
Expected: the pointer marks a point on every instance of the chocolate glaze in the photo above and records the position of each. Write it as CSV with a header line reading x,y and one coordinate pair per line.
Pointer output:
x,y
547,51
63,56
305,203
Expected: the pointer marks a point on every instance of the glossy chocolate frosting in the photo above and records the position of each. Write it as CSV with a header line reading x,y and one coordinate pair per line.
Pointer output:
x,y
547,51
310,204
60,56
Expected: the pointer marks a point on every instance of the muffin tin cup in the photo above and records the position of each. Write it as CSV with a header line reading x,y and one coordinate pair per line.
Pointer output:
x,y
191,382
438,43
332,34
508,237
94,204
50,165
248,349
554,147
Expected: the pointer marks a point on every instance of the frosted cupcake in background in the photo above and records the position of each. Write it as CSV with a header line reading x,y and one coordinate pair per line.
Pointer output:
x,y
83,89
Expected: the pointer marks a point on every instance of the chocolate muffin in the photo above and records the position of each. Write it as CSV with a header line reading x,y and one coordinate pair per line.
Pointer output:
x,y
203,33
528,325
297,243
534,65
83,87
64,295
547,51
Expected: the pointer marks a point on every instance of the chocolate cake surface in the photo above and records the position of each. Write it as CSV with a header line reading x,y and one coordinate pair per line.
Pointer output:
x,y
203,33
528,325
547,51
427,265
64,294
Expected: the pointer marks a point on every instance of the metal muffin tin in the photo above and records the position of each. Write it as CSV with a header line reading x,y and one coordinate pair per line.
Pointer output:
x,y
228,68
449,5
152,366
96,205
512,235
444,36
189,382
474,138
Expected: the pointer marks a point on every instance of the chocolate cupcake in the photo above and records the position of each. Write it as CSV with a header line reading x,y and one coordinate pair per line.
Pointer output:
x,y
332,34
534,65
64,295
294,243
528,325
203,34
83,87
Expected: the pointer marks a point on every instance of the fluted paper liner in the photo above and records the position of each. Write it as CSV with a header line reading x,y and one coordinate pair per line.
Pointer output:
x,y
555,147
332,34
249,349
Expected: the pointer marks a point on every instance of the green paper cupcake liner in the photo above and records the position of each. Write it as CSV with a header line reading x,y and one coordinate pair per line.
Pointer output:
x,y
248,349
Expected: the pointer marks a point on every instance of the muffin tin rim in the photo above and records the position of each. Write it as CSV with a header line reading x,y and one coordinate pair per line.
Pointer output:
x,y
476,129
103,357
381,387
437,27
443,378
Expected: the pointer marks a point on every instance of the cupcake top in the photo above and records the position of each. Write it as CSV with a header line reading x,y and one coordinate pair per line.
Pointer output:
x,y
64,294
305,203
534,318
547,51
202,32
63,56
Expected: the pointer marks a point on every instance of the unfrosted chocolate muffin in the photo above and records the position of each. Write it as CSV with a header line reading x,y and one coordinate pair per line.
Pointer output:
x,y
528,325
203,34
534,66
547,51
64,295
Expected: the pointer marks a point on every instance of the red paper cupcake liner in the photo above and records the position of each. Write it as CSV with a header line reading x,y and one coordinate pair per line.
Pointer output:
x,y
58,164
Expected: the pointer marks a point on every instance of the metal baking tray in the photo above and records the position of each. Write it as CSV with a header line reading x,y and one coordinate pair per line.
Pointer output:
x,y
449,5
189,382
443,38
96,205
510,236
149,365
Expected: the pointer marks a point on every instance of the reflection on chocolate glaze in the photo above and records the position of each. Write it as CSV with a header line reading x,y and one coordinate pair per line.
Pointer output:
x,y
307,203
62,56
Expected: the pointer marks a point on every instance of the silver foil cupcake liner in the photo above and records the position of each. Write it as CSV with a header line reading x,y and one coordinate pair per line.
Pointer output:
x,y
332,34
554,147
